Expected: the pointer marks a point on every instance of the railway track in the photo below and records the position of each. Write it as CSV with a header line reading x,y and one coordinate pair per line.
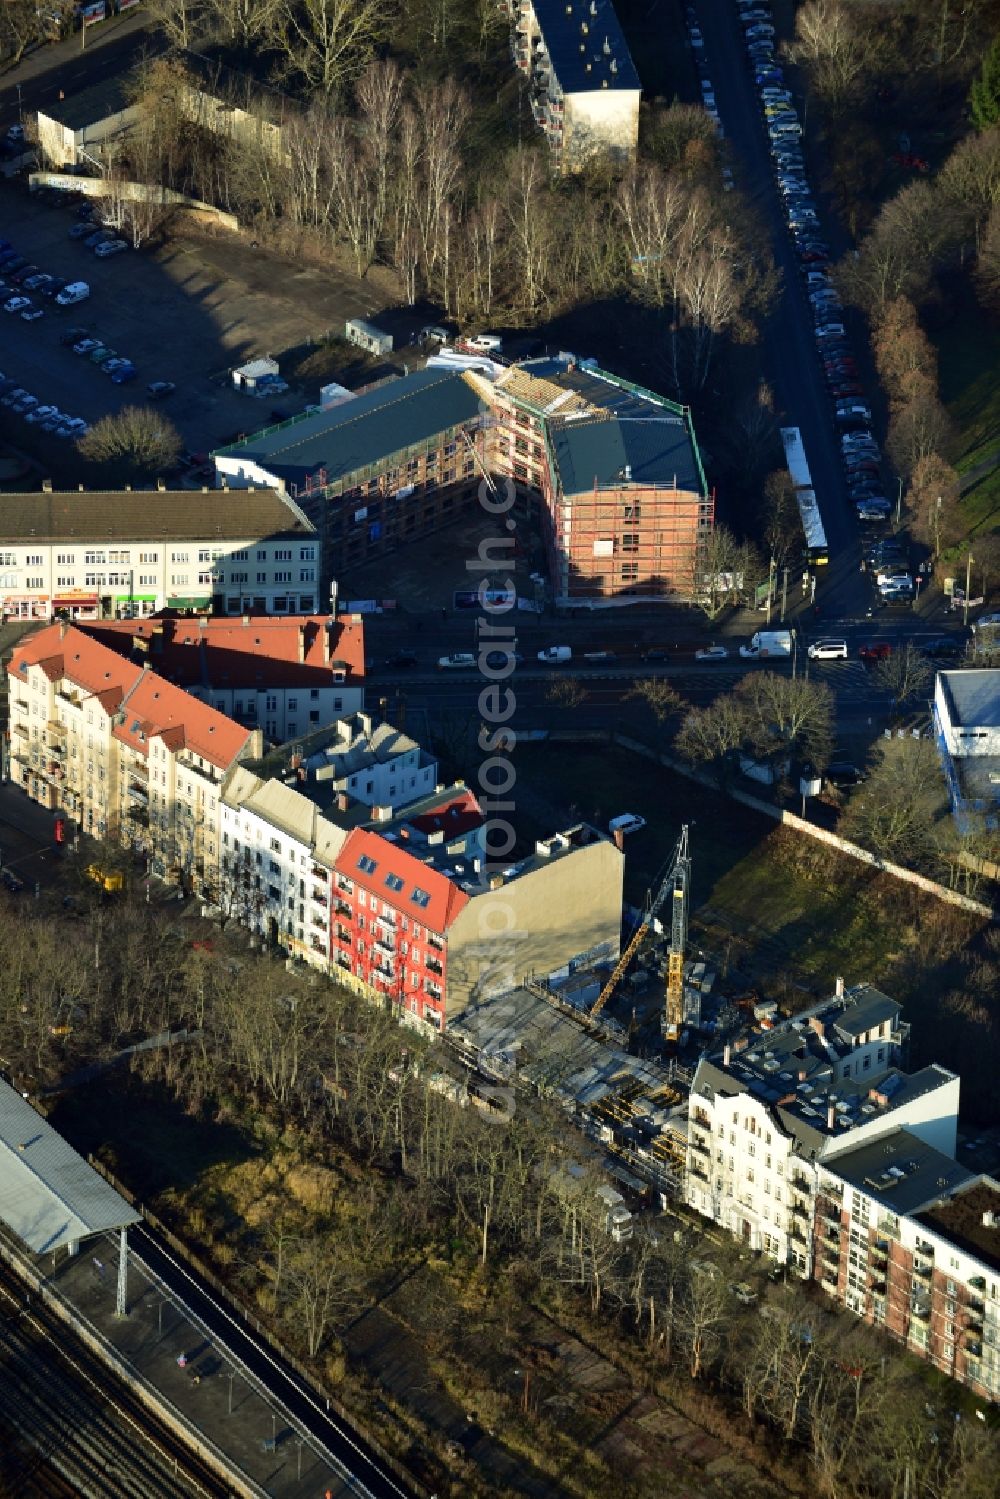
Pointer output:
x,y
88,1428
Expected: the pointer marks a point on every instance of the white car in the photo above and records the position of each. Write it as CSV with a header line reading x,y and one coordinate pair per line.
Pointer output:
x,y
41,413
458,660
628,822
555,653
828,650
712,653
17,304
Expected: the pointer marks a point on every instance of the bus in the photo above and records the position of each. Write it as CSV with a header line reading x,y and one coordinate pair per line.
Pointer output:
x,y
817,553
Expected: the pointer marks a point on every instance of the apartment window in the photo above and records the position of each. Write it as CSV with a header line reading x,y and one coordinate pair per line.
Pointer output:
x,y
630,570
307,554
274,867
148,557
262,577
282,554
367,865
147,580
95,558
293,704
204,555
65,582
204,577
307,575
393,882
176,557
64,558
633,512
276,845
34,583
271,703
420,897
282,577
630,541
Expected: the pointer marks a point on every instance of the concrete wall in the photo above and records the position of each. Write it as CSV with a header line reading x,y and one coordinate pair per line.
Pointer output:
x,y
63,147
604,120
536,922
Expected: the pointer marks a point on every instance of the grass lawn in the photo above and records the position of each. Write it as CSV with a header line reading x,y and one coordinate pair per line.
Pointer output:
x,y
969,357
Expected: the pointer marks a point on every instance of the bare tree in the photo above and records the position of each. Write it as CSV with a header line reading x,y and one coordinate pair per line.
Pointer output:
x,y
831,46
567,692
932,503
179,20
893,813
702,1312
708,736
917,431
137,437
905,675
327,42
785,715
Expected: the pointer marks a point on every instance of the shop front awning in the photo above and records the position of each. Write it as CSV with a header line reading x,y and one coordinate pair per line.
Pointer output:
x,y
204,602
76,601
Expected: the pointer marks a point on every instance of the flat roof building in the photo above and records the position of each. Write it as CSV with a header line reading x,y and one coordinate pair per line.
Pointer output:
x,y
967,728
584,89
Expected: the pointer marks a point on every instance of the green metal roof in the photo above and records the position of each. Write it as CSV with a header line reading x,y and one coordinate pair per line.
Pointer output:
x,y
398,415
656,449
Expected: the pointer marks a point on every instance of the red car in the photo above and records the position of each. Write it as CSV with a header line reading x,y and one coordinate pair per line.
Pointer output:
x,y
877,651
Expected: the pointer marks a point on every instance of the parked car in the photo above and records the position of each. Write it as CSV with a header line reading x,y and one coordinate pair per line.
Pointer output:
x,y
878,650
627,822
942,648
458,660
87,344
712,653
32,314
113,247
16,304
160,389
844,773
400,661
555,655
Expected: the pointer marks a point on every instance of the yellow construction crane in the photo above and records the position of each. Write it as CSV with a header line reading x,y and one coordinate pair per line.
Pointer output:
x,y
680,877
675,878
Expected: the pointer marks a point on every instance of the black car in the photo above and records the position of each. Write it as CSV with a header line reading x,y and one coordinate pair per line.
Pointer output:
x,y
944,648
843,773
658,653
73,335
400,661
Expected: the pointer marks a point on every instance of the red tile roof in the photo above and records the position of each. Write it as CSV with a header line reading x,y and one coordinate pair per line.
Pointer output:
x,y
247,653
445,899
152,705
457,813
156,708
64,651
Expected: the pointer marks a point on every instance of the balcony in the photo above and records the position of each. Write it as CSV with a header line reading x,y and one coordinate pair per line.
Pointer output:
x,y
343,935
321,874
702,1120
433,966
342,909
925,1272
699,1173
435,943
384,945
700,1145
799,1209
320,897
880,1250
138,793
798,1234
801,1183
921,1311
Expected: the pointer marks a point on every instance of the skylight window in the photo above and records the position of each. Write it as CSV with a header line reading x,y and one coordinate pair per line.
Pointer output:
x,y
393,882
420,897
367,865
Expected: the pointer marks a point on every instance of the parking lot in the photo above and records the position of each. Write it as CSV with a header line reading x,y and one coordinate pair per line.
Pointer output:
x,y
184,311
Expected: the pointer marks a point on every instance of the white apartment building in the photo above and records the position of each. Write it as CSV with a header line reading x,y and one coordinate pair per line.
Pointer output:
x,y
88,556
277,853
967,728
585,91
355,761
119,750
781,1100
910,1240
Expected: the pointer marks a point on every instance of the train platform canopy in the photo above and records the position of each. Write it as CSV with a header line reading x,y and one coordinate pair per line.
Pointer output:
x,y
49,1197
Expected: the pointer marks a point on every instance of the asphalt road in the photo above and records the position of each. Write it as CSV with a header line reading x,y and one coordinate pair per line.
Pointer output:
x,y
364,1471
66,66
792,366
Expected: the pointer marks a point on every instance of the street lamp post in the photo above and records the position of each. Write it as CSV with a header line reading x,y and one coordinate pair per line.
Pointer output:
x,y
968,585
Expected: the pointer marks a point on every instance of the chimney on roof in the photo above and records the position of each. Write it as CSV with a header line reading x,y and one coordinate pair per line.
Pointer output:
x,y
817,1024
831,1116
80,488
63,628
619,837
840,988
46,486
342,800
246,619
727,1054
802,1074
328,641
161,485
384,814
302,643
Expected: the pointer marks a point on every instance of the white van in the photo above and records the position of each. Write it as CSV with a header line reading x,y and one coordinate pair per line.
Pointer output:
x,y
76,291
828,650
554,653
485,343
